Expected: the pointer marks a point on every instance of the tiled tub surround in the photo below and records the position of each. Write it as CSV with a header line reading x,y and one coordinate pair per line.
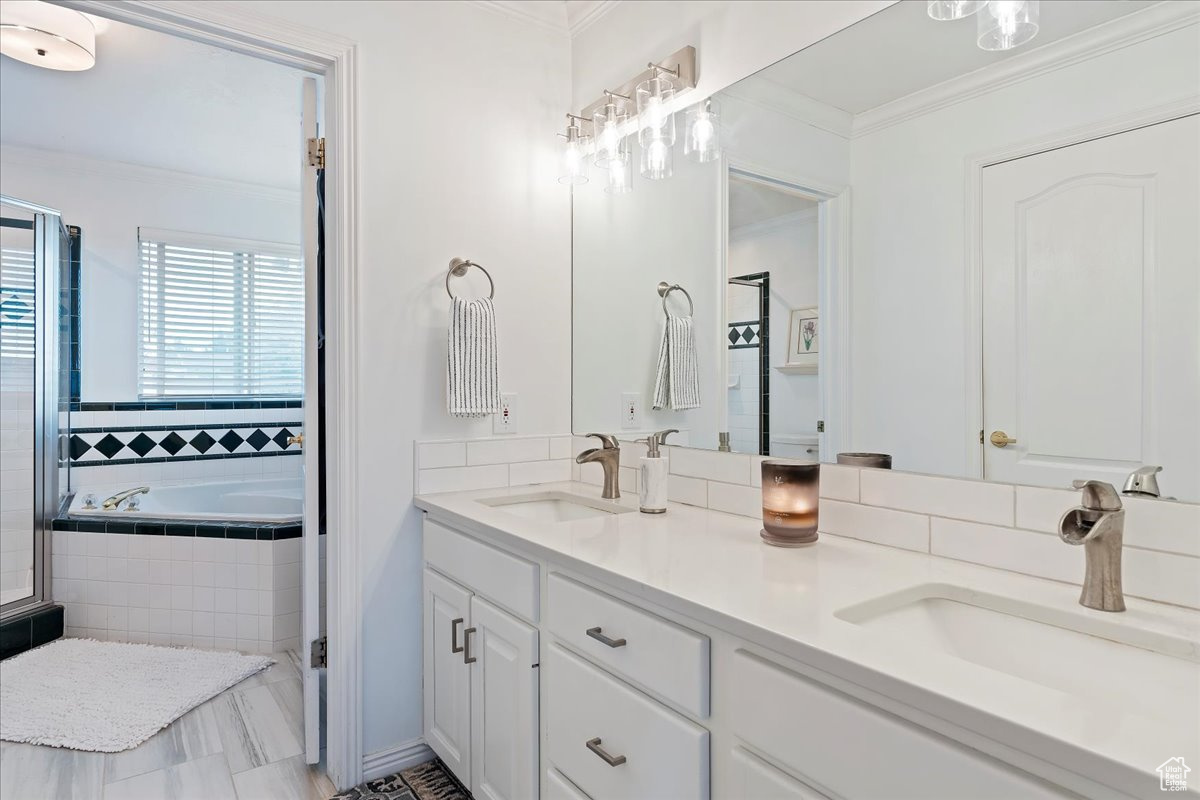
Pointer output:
x,y
241,594
992,524
168,443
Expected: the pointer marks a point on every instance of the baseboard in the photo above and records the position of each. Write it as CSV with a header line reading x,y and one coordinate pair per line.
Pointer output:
x,y
403,756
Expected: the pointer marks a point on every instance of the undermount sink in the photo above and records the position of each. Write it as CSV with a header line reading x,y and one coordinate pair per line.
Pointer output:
x,y
555,506
1070,651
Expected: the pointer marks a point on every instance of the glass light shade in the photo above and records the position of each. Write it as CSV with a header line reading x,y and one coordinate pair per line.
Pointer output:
x,y
657,160
702,133
620,175
953,9
1005,24
790,492
608,125
47,35
655,121
574,159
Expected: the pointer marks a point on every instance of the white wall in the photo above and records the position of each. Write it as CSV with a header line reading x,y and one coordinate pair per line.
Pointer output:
x,y
458,106
734,38
908,281
109,201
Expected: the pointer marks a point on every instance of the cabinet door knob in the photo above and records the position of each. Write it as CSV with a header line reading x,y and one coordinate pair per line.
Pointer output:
x,y
467,657
455,647
600,637
612,761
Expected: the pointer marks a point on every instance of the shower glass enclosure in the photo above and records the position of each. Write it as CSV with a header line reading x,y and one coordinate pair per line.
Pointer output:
x,y
34,255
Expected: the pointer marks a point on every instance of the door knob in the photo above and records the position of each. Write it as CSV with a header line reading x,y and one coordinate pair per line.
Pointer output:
x,y
1001,439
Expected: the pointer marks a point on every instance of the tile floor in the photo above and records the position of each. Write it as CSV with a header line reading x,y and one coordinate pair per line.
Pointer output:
x,y
244,744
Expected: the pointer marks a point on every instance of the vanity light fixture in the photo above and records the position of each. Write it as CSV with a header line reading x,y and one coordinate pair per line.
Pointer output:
x,y
655,119
574,155
620,175
1005,24
953,9
47,35
608,128
702,133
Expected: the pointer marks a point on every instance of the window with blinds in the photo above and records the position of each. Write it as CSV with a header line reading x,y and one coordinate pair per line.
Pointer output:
x,y
219,317
17,319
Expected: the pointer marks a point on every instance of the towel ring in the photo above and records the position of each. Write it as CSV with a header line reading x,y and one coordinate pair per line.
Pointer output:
x,y
459,267
665,289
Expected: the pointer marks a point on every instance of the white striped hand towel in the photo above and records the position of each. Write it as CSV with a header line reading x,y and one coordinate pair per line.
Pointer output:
x,y
677,384
472,376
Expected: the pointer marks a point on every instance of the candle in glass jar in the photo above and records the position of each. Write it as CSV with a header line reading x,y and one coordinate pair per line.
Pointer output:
x,y
790,496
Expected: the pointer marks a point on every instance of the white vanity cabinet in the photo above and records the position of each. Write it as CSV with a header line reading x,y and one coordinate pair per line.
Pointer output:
x,y
481,665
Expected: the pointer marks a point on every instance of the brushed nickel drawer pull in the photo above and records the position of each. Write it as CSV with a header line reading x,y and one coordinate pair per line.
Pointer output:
x,y
612,761
600,637
455,647
467,657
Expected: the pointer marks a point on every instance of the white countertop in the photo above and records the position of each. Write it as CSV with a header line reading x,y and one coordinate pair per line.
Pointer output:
x,y
713,567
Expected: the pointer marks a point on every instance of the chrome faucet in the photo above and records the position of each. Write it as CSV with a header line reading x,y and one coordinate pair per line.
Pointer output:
x,y
121,497
1143,481
1099,525
609,457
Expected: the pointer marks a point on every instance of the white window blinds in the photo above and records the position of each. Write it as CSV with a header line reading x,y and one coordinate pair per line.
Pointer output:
x,y
219,317
16,319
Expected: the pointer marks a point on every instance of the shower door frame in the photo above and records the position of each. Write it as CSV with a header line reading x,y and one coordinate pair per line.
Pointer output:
x,y
48,232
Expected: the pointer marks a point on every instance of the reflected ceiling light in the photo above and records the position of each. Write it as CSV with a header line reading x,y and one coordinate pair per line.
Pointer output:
x,y
658,160
1005,24
608,128
574,156
953,9
702,132
46,35
620,175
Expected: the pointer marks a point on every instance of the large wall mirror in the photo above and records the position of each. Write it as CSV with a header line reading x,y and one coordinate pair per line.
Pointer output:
x,y
983,263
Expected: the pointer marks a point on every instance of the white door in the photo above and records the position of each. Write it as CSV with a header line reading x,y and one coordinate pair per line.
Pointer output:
x,y
1091,277
504,705
447,676
310,562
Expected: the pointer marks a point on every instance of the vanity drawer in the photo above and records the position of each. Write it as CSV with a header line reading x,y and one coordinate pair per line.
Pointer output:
x,y
666,659
830,737
559,788
665,755
509,581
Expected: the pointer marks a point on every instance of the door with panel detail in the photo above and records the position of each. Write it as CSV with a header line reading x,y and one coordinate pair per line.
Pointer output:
x,y
1091,277
504,705
447,676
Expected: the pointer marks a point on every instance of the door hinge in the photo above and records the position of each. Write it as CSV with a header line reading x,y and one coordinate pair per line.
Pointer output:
x,y
820,426
981,435
318,653
316,153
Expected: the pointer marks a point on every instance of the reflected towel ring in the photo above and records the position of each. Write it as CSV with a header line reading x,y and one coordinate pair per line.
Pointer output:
x,y
459,267
665,289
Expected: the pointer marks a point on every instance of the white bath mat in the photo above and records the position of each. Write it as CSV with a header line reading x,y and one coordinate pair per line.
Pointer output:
x,y
109,696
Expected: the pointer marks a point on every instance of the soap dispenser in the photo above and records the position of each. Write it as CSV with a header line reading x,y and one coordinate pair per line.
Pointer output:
x,y
652,492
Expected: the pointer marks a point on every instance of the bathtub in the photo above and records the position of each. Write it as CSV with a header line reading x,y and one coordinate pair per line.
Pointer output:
x,y
274,501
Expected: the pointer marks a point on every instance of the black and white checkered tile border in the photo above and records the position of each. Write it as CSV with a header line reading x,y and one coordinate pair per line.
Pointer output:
x,y
146,444
743,335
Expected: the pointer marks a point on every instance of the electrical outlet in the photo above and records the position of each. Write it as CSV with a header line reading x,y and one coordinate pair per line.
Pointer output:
x,y
631,410
505,420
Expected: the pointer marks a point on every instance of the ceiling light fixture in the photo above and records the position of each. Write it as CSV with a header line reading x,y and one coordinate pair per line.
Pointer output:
x,y
1005,24
47,35
943,10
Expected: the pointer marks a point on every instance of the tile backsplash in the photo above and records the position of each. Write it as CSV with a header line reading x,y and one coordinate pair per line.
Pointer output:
x,y
993,524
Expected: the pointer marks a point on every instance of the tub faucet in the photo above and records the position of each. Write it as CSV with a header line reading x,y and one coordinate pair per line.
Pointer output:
x,y
121,497
1099,525
609,456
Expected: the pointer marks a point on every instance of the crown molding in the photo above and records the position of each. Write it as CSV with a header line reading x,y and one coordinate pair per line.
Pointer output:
x,y
773,224
770,96
548,16
120,170
1113,35
582,14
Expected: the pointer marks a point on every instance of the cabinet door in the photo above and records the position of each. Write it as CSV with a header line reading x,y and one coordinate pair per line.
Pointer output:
x,y
504,705
755,779
447,678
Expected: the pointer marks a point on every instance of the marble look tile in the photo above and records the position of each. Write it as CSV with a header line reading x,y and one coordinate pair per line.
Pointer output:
x,y
290,779
29,771
253,729
289,696
203,779
192,736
